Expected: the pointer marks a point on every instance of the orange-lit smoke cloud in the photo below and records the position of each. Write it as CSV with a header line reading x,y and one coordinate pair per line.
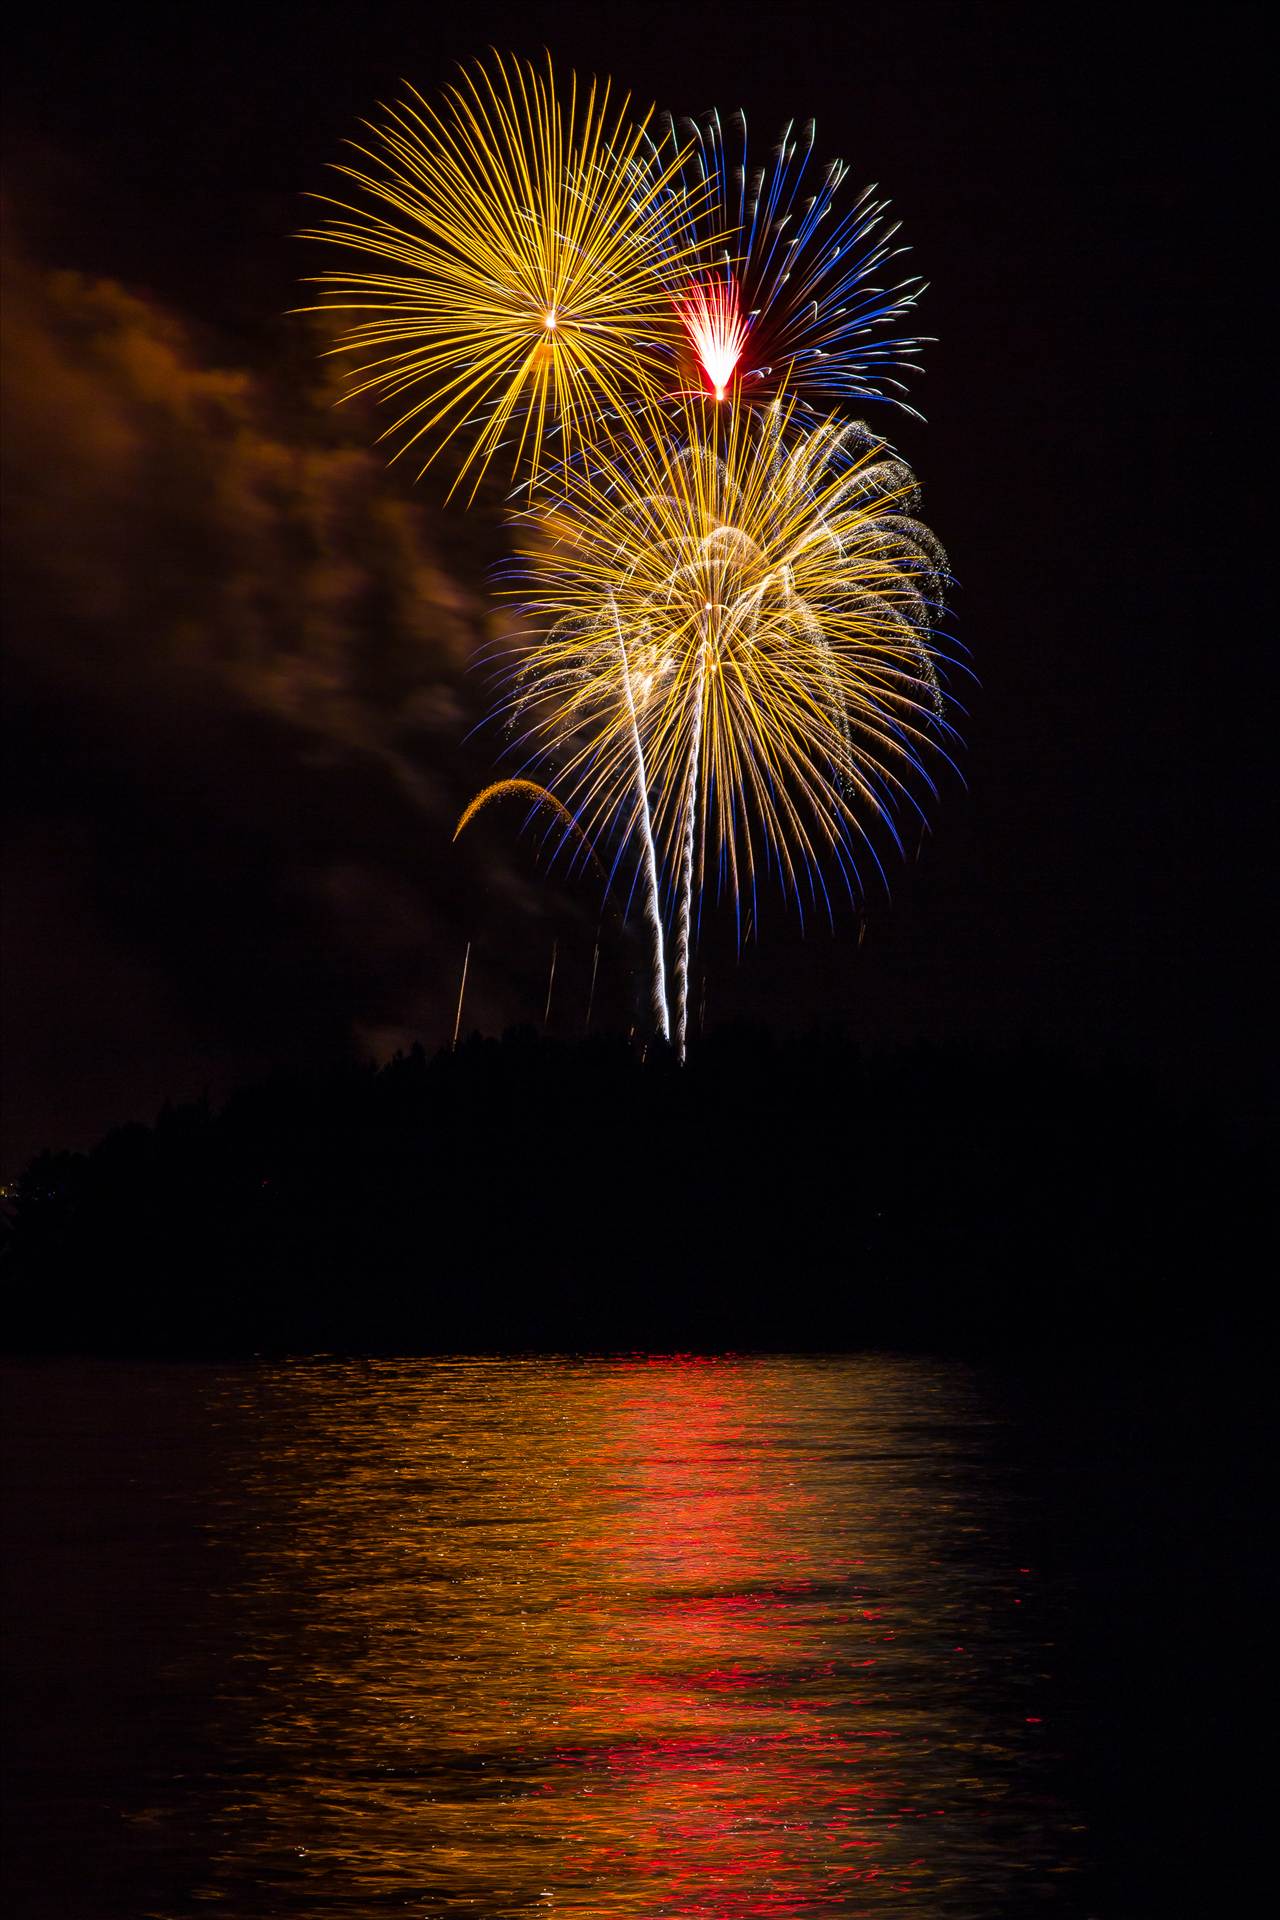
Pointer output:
x,y
237,702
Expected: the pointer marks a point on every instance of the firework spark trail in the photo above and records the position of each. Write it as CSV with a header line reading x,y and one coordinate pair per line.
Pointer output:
x,y
541,796
591,992
685,908
653,899
462,987
500,789
581,683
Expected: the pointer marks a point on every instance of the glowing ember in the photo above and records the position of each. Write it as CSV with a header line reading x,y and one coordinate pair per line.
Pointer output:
x,y
717,329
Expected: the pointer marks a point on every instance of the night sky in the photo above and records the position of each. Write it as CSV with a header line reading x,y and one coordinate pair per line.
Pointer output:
x,y
238,646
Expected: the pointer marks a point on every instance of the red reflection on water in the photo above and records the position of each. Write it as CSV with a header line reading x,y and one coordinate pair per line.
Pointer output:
x,y
776,1815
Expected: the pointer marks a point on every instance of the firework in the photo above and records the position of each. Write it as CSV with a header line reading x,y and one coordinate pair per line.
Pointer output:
x,y
540,796
502,790
717,329
733,657
525,255
728,659
795,298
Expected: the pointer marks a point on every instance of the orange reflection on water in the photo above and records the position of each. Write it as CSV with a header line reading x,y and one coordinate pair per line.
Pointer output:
x,y
659,1639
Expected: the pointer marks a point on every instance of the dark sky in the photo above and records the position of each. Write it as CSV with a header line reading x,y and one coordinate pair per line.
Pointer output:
x,y
238,647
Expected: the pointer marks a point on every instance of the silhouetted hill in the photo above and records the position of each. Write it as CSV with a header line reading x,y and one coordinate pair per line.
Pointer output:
x,y
525,1193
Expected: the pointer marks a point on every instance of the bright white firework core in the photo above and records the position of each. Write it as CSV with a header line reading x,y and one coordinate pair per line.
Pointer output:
x,y
717,329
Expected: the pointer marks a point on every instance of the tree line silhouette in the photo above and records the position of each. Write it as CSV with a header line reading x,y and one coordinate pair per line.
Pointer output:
x,y
526,1193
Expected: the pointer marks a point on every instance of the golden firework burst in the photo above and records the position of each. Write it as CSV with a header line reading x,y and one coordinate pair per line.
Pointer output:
x,y
733,650
525,256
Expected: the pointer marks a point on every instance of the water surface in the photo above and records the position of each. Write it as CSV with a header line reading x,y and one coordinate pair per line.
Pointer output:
x,y
731,1638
